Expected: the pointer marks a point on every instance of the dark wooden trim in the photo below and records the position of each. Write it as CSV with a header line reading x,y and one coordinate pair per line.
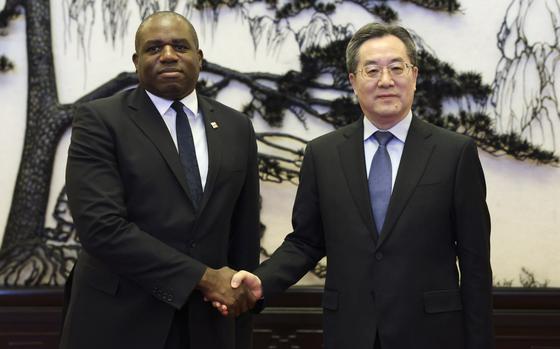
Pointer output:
x,y
526,298
504,298
31,297
523,318
301,296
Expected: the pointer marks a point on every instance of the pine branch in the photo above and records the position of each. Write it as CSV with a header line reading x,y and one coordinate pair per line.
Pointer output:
x,y
10,11
5,64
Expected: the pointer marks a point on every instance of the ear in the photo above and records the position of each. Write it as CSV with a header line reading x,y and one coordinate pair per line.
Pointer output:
x,y
200,58
352,78
414,75
135,60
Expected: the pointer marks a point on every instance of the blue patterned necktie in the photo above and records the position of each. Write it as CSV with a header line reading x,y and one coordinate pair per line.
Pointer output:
x,y
380,179
187,152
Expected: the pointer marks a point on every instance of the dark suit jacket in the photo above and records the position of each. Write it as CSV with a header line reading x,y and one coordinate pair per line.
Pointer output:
x,y
403,284
144,246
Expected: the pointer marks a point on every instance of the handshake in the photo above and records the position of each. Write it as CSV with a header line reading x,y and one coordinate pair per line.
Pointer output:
x,y
231,293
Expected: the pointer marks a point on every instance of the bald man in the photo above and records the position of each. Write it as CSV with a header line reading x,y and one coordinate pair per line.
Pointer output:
x,y
163,187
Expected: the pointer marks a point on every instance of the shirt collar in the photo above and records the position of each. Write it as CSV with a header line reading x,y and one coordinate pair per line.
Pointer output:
x,y
162,105
399,131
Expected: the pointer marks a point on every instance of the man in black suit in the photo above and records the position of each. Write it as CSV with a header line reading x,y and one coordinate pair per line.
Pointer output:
x,y
163,187
394,203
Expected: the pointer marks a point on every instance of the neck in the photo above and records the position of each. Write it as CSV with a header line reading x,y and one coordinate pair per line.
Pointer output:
x,y
384,124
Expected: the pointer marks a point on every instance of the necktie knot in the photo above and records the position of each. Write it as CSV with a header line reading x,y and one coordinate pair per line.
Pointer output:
x,y
177,106
383,137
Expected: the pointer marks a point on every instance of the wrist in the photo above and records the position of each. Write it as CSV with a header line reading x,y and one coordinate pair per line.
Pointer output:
x,y
205,281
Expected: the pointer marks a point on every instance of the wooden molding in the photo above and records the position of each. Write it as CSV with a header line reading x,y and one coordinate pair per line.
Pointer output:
x,y
523,318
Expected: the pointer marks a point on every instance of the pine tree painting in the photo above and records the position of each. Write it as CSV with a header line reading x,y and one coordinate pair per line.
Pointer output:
x,y
34,255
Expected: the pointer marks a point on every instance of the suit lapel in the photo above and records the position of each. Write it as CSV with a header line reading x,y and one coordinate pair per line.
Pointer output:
x,y
215,148
416,153
351,153
147,118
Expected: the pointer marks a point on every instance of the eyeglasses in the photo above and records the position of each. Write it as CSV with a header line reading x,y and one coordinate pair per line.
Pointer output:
x,y
374,72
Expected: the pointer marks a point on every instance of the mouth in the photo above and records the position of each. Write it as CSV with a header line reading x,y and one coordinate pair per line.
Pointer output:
x,y
169,73
384,96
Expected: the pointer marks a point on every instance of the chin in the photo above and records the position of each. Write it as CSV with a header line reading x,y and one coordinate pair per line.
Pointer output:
x,y
388,112
172,92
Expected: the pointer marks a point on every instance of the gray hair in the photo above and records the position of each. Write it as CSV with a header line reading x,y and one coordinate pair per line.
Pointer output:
x,y
377,30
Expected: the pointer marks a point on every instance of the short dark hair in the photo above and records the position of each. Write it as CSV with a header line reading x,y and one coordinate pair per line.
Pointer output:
x,y
163,13
377,30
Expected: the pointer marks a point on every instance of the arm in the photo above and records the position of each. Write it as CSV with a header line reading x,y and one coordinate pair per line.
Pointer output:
x,y
301,249
244,244
98,201
305,246
472,226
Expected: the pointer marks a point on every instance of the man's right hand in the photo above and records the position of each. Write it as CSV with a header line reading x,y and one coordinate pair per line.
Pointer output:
x,y
241,280
216,286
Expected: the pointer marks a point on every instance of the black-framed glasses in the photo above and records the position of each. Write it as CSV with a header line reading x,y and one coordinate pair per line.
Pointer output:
x,y
395,69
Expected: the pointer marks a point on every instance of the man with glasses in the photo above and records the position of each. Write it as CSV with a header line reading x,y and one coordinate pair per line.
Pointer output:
x,y
398,207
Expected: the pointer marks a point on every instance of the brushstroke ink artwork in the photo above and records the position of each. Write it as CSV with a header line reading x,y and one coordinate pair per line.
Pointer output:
x,y
35,255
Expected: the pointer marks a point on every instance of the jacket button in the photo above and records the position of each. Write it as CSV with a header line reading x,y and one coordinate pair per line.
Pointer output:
x,y
193,244
378,256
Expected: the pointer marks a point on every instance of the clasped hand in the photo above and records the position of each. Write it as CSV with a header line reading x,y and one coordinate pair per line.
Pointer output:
x,y
231,293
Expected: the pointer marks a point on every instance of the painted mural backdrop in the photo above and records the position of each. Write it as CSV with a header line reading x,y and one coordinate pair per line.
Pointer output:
x,y
282,63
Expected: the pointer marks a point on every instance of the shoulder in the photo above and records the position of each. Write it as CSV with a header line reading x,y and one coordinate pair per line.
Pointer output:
x,y
109,103
334,138
107,112
221,109
439,134
232,124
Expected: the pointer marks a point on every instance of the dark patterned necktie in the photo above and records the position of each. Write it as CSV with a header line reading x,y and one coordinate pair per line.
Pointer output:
x,y
379,180
187,152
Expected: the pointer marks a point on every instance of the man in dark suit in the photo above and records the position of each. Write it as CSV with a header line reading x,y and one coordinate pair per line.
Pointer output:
x,y
163,187
394,203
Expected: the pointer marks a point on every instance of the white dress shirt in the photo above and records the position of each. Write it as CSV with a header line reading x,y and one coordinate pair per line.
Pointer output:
x,y
196,121
394,147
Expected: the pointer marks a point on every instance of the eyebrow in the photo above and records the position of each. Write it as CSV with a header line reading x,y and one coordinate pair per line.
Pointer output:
x,y
375,62
173,41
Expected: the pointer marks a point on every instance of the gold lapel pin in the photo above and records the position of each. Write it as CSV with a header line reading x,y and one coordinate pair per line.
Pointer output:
x,y
214,124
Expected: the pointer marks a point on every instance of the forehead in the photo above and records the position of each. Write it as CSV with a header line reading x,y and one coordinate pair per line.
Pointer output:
x,y
385,48
165,27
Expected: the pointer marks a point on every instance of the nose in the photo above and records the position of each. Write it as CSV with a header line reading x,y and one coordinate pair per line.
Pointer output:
x,y
168,54
385,79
